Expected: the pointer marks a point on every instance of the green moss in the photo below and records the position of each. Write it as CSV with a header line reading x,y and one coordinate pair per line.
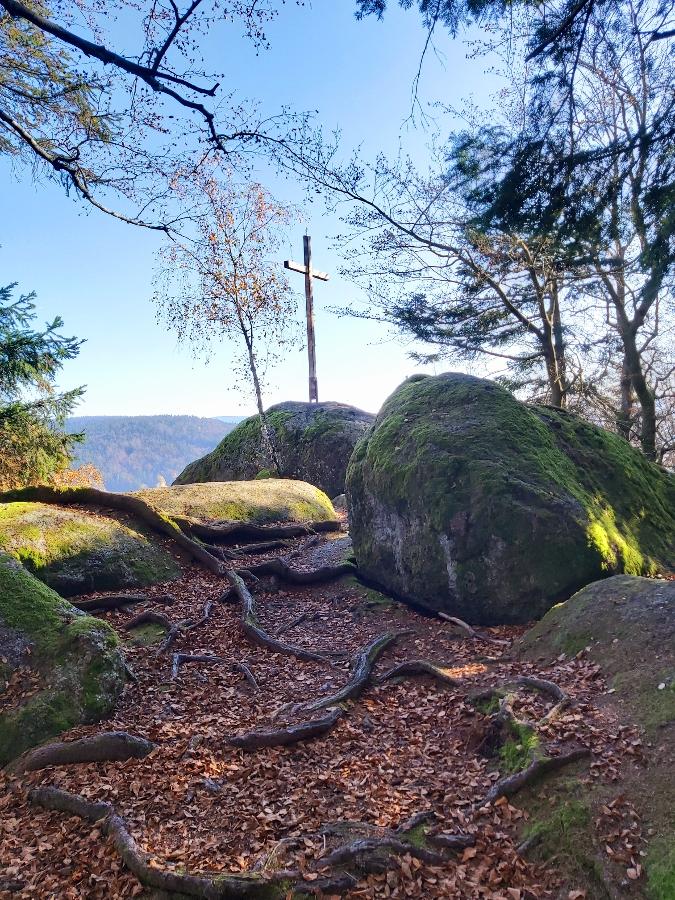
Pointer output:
x,y
147,635
76,655
660,868
650,707
266,500
454,446
266,473
41,718
487,707
323,426
517,751
417,836
561,826
32,608
74,552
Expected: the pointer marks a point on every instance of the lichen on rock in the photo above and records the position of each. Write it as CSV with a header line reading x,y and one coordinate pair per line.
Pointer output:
x,y
313,442
77,658
75,551
465,500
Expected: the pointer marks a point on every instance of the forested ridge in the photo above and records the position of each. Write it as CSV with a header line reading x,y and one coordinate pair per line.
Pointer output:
x,y
138,451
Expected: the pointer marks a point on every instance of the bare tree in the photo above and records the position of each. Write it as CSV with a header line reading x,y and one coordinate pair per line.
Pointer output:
x,y
225,280
107,124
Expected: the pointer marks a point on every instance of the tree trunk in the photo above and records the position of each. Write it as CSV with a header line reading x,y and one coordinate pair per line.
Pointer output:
x,y
632,369
266,431
625,414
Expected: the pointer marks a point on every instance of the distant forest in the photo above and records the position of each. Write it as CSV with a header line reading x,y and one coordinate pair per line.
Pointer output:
x,y
132,452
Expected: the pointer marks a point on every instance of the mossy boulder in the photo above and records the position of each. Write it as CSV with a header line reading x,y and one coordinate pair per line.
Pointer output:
x,y
76,551
76,658
262,501
313,442
628,626
465,500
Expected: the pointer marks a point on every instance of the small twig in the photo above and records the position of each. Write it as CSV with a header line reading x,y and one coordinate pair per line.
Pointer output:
x,y
472,633
418,667
248,675
180,659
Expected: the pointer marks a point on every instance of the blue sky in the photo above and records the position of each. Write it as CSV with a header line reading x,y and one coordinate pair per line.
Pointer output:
x,y
97,273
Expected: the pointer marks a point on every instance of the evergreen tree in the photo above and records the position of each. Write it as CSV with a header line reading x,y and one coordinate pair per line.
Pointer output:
x,y
33,448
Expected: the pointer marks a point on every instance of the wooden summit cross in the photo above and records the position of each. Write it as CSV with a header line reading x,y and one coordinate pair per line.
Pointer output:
x,y
309,274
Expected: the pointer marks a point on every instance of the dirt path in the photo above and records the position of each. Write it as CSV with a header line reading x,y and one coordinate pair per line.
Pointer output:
x,y
406,746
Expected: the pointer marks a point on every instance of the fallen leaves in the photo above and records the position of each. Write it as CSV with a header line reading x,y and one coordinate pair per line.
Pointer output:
x,y
197,804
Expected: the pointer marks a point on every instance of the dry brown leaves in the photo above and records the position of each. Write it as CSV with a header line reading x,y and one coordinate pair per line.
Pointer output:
x,y
198,804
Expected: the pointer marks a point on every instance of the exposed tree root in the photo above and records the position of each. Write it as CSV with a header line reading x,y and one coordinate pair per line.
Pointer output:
x,y
241,531
174,633
216,886
263,547
282,570
537,769
538,684
255,633
180,659
203,619
117,601
155,519
471,632
418,667
109,746
374,845
304,547
148,618
362,667
290,734
546,687
372,854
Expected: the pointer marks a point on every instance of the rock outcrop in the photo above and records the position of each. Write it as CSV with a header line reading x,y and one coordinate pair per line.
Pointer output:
x,y
258,502
313,442
76,551
73,660
465,500
627,625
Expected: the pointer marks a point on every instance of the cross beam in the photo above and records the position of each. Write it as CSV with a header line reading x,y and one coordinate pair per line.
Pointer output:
x,y
310,274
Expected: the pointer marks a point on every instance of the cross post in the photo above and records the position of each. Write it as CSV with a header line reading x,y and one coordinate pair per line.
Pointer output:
x,y
310,274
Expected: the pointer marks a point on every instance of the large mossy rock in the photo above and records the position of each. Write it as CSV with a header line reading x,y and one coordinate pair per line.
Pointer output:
x,y
75,658
313,443
465,500
628,626
76,551
260,502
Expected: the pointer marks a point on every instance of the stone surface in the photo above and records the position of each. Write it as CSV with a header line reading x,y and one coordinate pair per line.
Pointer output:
x,y
75,658
262,501
313,442
627,625
76,551
465,500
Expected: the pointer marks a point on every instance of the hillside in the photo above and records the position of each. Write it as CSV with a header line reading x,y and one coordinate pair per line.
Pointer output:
x,y
132,452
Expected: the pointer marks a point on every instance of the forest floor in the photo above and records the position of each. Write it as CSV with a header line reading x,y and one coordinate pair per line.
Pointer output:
x,y
405,746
